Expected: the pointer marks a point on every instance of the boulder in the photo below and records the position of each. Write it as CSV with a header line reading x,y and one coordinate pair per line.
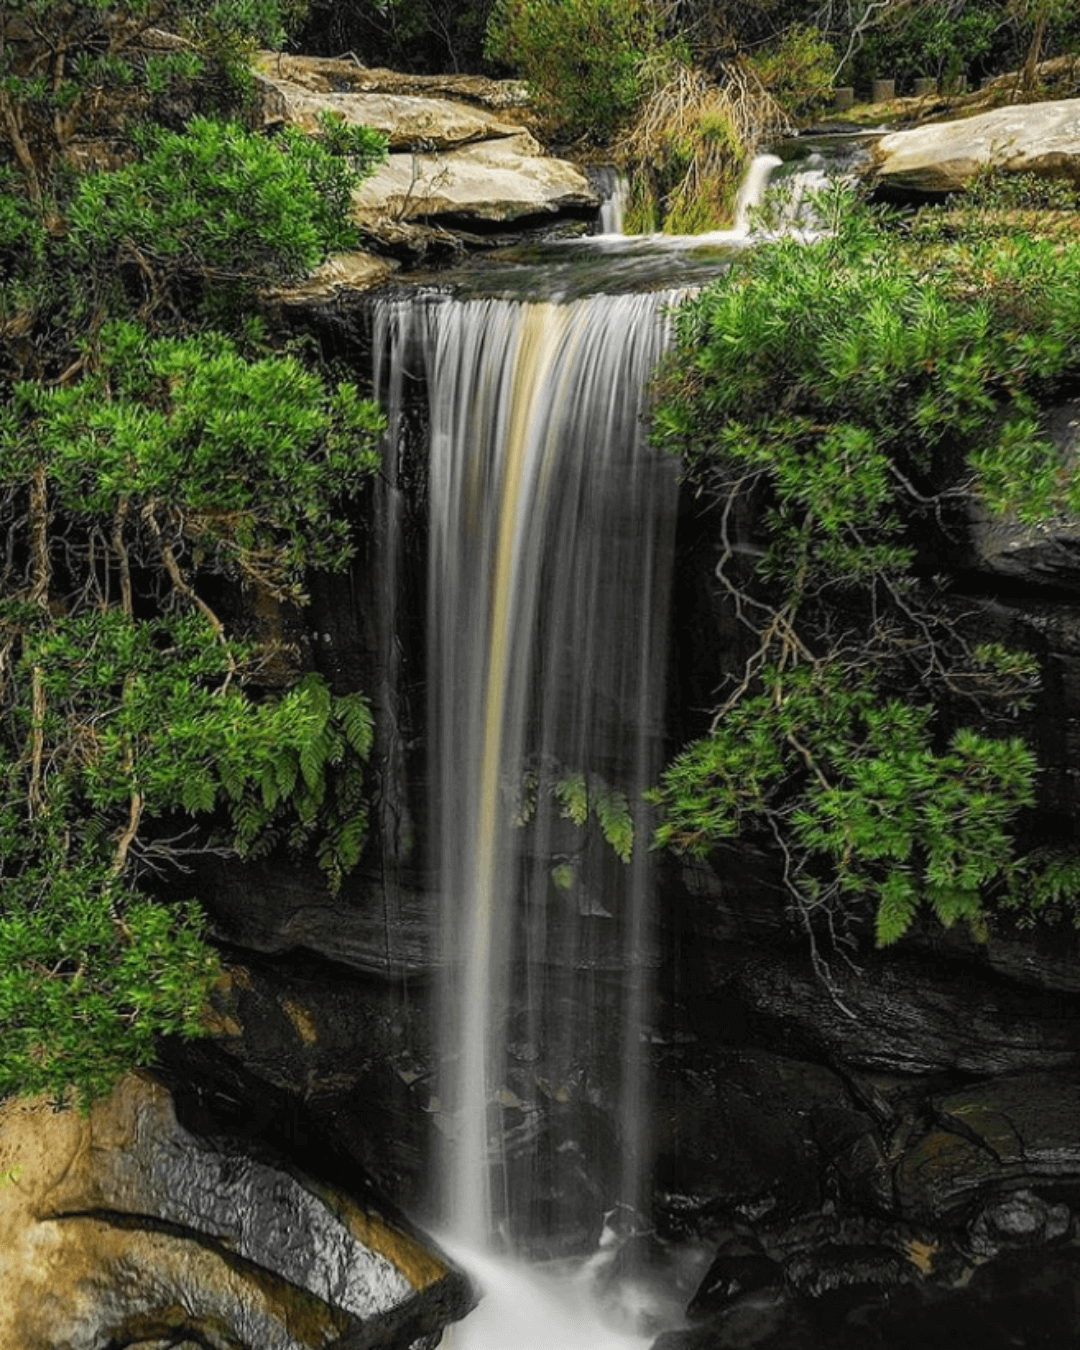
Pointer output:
x,y
122,1227
1042,138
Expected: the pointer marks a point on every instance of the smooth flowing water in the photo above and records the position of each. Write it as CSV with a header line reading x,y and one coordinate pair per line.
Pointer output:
x,y
550,532
551,525
550,528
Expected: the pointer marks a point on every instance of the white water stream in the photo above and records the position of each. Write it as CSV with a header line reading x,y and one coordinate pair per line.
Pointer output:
x,y
551,526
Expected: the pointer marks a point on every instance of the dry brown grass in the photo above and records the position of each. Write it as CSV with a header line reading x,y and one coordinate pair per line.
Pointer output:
x,y
686,150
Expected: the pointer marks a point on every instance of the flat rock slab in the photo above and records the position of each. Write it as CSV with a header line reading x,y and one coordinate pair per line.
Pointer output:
x,y
494,181
1042,138
408,121
326,74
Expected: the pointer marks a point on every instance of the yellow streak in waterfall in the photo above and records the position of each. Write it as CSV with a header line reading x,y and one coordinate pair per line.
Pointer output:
x,y
529,368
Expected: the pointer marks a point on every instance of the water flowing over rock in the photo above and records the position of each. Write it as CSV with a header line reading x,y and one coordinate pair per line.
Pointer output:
x,y
550,541
122,1227
1041,138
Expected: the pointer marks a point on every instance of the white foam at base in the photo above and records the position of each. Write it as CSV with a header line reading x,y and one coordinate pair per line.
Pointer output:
x,y
527,1308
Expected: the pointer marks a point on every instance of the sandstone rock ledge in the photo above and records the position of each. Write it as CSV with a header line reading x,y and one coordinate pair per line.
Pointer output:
x,y
457,154
1041,138
124,1229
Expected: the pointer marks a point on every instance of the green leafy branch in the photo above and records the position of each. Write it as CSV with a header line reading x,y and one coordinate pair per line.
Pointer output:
x,y
579,796
833,399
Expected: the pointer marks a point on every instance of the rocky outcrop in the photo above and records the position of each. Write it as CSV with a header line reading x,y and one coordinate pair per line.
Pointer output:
x,y
451,161
1040,138
121,1227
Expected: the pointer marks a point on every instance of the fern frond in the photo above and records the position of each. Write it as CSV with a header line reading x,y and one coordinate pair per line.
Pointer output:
x,y
573,793
612,810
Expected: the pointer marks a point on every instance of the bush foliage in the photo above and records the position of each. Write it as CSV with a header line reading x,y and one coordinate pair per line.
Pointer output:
x,y
583,60
852,388
153,468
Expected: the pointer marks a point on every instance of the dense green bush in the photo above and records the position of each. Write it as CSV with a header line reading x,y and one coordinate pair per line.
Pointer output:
x,y
852,387
128,710
219,204
796,69
150,468
583,60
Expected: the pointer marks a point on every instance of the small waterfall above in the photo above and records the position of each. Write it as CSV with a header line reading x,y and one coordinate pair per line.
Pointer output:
x,y
752,189
614,189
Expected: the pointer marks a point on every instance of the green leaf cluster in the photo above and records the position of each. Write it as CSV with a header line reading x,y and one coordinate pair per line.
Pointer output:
x,y
90,976
866,809
218,200
69,68
579,796
839,394
241,460
132,184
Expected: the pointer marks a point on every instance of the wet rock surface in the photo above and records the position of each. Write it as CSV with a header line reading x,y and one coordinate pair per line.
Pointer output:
x,y
122,1227
1023,1300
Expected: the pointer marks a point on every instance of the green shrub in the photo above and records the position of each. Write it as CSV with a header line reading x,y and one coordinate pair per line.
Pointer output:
x,y
219,202
135,724
149,467
850,387
583,60
796,69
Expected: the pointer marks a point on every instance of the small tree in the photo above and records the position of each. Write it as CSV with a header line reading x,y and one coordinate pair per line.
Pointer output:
x,y
583,60
1041,14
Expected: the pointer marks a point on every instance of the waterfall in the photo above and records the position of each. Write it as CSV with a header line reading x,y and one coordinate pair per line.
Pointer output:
x,y
614,189
550,536
752,189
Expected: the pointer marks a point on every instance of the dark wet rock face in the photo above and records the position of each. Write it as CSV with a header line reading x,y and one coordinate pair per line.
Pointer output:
x,y
994,1136
1021,1300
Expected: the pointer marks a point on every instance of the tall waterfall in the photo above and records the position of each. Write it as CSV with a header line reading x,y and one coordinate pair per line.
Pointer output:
x,y
551,523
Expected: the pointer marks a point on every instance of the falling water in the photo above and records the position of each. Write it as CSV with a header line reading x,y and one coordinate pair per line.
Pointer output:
x,y
551,524
752,189
548,515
